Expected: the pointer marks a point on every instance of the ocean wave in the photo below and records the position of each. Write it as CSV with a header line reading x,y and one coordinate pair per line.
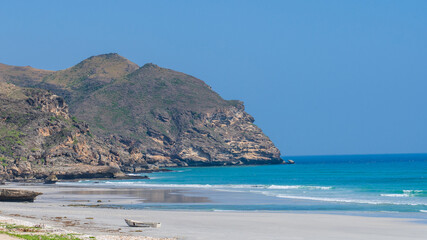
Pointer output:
x,y
405,193
229,187
395,195
413,191
362,201
299,187
424,211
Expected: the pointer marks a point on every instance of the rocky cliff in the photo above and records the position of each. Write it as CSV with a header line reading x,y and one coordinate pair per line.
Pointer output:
x,y
140,117
39,138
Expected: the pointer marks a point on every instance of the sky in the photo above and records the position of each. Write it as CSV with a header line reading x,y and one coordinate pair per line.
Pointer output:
x,y
320,77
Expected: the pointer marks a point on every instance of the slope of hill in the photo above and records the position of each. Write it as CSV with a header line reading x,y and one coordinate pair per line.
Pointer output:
x,y
168,117
22,75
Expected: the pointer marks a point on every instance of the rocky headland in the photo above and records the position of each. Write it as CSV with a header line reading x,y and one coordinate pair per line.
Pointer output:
x,y
106,116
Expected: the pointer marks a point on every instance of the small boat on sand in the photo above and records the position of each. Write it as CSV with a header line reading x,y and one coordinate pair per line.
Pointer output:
x,y
133,223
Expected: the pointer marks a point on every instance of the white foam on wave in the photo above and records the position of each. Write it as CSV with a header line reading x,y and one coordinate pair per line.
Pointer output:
x,y
235,186
424,211
395,195
406,193
299,187
413,192
363,201
209,186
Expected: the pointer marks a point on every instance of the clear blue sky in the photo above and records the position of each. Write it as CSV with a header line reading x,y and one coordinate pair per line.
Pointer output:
x,y
320,77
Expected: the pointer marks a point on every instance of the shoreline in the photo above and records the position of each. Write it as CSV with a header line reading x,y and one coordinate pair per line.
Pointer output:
x,y
235,225
167,198
53,209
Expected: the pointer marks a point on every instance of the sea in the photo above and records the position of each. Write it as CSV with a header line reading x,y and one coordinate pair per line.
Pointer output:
x,y
384,185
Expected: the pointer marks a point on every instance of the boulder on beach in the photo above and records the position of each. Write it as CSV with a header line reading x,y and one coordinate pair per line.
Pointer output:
x,y
13,195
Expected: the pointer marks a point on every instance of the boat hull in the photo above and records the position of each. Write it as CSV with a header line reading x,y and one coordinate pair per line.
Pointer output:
x,y
132,223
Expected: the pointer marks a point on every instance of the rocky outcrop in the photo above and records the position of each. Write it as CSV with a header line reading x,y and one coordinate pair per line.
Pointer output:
x,y
47,102
12,195
224,136
38,138
140,118
52,179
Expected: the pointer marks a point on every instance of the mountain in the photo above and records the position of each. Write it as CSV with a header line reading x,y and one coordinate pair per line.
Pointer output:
x,y
166,117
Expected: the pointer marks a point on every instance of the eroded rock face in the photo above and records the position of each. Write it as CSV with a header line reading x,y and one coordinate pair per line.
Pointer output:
x,y
224,136
47,102
39,138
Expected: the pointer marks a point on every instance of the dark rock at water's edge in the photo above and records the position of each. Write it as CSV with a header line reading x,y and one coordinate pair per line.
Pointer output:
x,y
289,161
156,170
52,179
123,119
12,195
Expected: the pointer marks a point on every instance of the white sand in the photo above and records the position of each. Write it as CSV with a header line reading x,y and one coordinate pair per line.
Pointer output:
x,y
214,225
6,237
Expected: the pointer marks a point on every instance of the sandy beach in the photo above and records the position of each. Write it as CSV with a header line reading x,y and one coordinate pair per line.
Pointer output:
x,y
70,212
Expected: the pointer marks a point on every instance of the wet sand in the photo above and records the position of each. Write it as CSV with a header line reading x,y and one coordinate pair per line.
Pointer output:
x,y
63,207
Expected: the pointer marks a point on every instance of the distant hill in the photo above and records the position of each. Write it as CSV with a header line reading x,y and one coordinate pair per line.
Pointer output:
x,y
168,117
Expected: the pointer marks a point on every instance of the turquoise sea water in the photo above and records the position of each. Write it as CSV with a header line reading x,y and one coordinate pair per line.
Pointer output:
x,y
356,183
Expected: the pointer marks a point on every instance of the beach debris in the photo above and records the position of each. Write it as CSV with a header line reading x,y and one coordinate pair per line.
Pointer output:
x,y
13,195
52,179
133,223
40,225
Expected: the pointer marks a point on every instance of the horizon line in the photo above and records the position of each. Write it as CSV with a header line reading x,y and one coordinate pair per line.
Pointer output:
x,y
350,154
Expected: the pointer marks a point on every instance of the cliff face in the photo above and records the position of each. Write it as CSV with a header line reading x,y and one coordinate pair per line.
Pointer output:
x,y
38,138
223,136
140,117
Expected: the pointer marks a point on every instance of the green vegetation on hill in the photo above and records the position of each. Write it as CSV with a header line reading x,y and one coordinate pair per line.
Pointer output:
x,y
19,120
114,95
140,96
101,69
